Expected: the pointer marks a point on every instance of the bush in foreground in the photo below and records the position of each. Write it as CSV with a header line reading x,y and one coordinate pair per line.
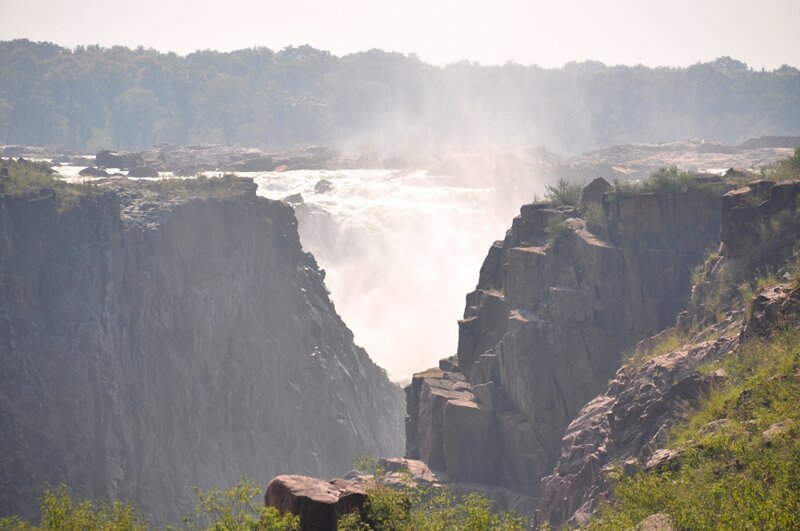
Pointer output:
x,y
238,508
416,508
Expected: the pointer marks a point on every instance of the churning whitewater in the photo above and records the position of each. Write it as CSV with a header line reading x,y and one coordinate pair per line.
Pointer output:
x,y
400,249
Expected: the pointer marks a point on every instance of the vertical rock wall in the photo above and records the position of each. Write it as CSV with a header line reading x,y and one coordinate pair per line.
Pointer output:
x,y
626,427
150,345
544,330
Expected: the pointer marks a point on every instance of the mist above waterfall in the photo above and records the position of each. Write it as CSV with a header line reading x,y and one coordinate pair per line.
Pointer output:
x,y
401,249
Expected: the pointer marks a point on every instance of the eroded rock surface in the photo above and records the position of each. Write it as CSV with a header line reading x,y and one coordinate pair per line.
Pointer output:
x,y
317,502
151,344
624,428
543,332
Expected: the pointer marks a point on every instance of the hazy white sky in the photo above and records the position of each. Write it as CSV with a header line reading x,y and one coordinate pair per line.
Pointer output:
x,y
548,33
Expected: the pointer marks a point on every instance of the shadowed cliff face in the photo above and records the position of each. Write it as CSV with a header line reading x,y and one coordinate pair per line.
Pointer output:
x,y
626,427
150,345
545,328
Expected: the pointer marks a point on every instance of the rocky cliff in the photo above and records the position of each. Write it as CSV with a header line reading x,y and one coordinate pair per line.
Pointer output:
x,y
624,429
555,306
155,338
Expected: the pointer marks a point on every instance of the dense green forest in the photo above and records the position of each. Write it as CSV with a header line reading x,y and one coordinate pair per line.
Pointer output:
x,y
92,97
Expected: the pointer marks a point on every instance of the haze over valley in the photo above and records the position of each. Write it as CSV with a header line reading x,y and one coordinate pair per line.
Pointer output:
x,y
399,265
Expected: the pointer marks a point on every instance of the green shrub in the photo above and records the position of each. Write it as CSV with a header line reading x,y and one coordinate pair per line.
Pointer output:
x,y
411,507
240,507
59,512
24,176
785,169
556,226
428,509
669,341
667,180
594,215
563,193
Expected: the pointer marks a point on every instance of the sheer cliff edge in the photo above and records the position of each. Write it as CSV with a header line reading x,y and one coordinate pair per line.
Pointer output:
x,y
159,336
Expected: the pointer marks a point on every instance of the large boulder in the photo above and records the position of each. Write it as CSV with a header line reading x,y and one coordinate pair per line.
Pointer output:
x,y
317,502
91,171
118,159
774,306
752,212
143,171
593,192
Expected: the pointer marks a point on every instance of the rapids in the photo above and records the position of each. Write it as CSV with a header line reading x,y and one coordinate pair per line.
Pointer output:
x,y
400,248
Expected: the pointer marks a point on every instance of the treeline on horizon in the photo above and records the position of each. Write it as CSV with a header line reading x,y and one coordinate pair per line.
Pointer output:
x,y
90,98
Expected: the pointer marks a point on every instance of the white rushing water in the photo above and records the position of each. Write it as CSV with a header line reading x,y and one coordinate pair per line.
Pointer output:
x,y
401,250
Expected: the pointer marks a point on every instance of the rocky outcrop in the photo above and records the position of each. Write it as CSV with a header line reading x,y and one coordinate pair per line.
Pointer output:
x,y
143,171
623,429
542,334
118,159
754,212
186,160
151,341
320,503
317,502
91,171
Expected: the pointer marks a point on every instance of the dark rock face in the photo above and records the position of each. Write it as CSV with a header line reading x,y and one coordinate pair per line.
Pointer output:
x,y
113,159
747,211
252,162
593,192
625,427
93,172
317,502
323,186
543,332
143,171
149,345
776,305
771,142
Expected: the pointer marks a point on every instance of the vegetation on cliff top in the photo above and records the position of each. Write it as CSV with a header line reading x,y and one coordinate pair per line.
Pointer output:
x,y
739,463
200,186
666,180
25,175
563,193
785,169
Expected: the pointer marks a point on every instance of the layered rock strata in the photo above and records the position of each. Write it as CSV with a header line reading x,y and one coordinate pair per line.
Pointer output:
x,y
554,308
624,429
151,341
